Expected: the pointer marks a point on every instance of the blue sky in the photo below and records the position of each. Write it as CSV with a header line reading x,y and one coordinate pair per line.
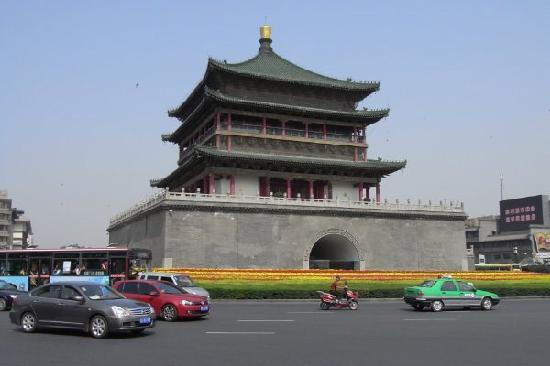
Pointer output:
x,y
467,83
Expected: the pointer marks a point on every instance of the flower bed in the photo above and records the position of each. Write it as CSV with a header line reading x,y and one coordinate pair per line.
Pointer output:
x,y
294,284
279,274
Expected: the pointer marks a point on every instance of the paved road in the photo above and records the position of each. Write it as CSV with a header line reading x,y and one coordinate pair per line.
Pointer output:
x,y
517,332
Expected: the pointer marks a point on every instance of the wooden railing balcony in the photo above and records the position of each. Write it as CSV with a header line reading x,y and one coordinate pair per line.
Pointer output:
x,y
441,207
293,132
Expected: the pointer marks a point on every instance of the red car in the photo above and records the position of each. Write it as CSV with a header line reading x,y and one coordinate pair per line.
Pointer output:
x,y
169,302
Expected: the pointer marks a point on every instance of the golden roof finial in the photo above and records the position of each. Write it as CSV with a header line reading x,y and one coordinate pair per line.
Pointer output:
x,y
265,32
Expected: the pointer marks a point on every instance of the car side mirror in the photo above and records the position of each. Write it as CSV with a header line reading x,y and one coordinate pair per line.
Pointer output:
x,y
154,293
78,298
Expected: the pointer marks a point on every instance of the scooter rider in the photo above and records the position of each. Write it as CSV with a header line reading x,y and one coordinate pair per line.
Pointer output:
x,y
338,288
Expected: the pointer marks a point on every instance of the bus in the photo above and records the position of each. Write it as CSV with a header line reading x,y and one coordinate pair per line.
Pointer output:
x,y
29,268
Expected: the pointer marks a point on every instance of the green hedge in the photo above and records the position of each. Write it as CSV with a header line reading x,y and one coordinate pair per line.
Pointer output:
x,y
243,290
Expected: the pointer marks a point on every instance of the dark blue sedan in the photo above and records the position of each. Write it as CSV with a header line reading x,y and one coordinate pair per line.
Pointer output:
x,y
8,293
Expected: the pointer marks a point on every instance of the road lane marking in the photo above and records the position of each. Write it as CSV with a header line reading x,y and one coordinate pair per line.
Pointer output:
x,y
240,333
414,319
265,320
310,312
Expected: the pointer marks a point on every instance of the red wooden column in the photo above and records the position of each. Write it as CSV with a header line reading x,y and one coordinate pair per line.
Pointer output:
x,y
365,141
228,129
368,193
204,185
211,184
355,153
378,192
232,185
283,132
311,193
306,126
267,186
288,188
218,128
264,126
360,190
324,131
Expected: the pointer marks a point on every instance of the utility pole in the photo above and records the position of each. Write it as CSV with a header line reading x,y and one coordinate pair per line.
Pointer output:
x,y
501,180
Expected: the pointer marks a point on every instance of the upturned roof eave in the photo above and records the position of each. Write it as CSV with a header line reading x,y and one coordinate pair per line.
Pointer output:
x,y
331,83
367,116
379,167
373,115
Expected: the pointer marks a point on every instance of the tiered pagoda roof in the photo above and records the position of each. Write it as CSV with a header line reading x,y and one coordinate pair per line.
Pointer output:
x,y
269,68
269,84
203,154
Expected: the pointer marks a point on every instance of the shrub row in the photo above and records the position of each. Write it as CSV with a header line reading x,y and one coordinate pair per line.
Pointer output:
x,y
220,292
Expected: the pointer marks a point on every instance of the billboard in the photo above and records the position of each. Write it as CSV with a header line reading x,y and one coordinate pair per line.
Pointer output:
x,y
22,282
518,214
103,280
542,241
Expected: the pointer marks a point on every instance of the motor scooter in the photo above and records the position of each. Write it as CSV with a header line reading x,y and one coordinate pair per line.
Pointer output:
x,y
329,300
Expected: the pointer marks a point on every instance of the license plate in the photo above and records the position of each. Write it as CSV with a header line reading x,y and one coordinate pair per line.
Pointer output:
x,y
145,320
204,308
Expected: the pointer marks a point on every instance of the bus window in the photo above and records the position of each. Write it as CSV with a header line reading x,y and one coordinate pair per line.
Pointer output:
x,y
65,263
139,261
117,266
40,266
17,264
94,264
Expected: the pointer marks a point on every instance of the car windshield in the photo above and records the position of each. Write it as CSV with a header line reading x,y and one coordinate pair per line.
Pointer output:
x,y
100,292
169,289
184,281
428,283
7,286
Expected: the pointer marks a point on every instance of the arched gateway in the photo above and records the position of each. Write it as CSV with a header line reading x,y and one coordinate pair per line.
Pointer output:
x,y
334,249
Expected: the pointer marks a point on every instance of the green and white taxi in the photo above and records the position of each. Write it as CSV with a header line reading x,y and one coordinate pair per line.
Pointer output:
x,y
446,292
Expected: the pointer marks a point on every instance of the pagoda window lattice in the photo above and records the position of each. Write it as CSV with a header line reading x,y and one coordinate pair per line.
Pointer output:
x,y
244,123
295,129
300,187
315,131
274,127
278,187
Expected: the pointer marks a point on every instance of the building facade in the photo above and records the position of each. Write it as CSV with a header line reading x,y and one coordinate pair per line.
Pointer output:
x,y
5,220
15,231
274,171
521,231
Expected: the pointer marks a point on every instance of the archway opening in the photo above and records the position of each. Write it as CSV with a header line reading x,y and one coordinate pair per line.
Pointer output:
x,y
334,251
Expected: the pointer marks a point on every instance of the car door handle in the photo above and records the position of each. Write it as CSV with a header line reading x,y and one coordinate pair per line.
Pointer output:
x,y
60,304
35,301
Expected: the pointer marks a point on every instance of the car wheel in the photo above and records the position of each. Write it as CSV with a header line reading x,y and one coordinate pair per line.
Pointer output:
x,y
353,305
99,327
29,323
169,313
324,306
437,306
3,304
486,303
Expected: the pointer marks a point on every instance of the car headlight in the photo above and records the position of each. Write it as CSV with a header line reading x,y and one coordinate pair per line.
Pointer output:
x,y
13,296
186,303
151,308
120,312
